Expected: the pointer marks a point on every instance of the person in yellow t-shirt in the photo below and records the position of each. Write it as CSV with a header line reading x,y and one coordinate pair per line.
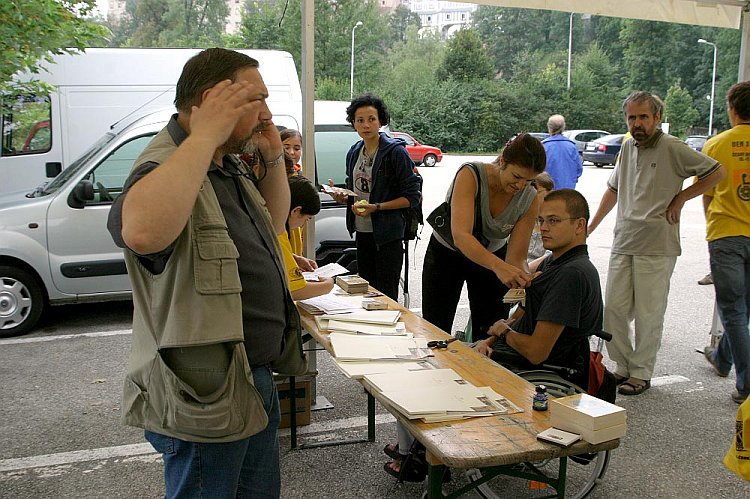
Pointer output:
x,y
728,234
305,204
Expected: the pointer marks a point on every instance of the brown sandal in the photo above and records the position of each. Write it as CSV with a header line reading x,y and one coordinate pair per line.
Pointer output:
x,y
634,386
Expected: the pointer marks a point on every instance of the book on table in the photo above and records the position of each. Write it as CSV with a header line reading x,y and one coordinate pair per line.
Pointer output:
x,y
352,284
591,436
586,411
594,419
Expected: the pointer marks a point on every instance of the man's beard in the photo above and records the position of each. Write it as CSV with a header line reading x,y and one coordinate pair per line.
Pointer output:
x,y
244,145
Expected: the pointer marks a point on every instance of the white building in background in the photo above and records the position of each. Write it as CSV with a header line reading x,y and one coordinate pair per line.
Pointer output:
x,y
442,17
436,15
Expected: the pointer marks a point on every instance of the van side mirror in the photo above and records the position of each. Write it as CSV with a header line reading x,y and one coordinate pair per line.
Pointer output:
x,y
53,168
82,193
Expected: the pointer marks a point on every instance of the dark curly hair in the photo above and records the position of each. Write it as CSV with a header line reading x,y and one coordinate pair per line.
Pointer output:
x,y
368,100
524,150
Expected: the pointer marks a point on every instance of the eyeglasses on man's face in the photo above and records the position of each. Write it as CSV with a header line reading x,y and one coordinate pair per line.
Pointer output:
x,y
552,221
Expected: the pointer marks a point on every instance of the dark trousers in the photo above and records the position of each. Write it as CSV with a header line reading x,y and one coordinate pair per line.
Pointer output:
x,y
380,266
443,277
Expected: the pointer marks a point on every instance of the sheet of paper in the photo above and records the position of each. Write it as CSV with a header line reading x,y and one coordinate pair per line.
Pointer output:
x,y
330,304
332,190
356,370
328,270
366,347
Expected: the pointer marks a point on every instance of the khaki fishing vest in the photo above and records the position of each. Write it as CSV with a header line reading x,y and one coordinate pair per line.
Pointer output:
x,y
195,302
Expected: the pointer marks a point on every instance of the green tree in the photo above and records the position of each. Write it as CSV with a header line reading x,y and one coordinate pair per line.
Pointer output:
x,y
147,18
679,111
466,58
510,32
33,31
194,23
400,20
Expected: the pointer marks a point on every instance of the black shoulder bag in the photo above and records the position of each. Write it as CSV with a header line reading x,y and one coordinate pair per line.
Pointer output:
x,y
440,218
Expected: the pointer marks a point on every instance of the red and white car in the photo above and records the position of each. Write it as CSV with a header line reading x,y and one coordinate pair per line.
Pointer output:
x,y
421,154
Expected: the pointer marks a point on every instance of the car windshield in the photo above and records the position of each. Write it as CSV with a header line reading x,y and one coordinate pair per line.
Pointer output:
x,y
696,141
56,183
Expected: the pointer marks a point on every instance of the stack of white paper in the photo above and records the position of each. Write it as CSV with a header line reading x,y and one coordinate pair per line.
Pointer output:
x,y
356,370
438,395
328,304
355,347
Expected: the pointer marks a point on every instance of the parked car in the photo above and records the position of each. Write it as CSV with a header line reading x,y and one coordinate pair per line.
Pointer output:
x,y
696,141
581,137
604,150
421,154
539,135
54,244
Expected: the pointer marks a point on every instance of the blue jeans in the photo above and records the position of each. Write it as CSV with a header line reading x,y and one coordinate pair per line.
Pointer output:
x,y
245,468
730,266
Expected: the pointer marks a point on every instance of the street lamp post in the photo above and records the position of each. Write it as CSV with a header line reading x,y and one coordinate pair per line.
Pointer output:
x,y
570,46
351,78
713,88
570,42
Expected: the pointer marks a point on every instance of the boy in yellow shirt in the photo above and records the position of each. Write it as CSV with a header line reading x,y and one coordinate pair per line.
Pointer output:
x,y
305,204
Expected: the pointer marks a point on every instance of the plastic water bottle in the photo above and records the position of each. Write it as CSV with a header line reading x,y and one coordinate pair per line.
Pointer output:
x,y
540,399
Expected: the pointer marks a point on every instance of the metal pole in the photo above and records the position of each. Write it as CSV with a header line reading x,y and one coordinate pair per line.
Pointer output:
x,y
351,77
713,87
570,46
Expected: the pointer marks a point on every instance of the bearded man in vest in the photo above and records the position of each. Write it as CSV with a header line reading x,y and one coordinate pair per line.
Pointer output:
x,y
212,314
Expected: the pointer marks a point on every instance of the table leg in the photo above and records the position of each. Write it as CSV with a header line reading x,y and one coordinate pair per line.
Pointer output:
x,y
370,417
435,474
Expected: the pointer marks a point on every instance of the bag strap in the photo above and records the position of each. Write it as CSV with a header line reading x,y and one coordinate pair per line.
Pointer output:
x,y
477,199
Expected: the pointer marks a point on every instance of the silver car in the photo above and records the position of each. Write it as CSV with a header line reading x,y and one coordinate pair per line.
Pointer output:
x,y
580,137
54,244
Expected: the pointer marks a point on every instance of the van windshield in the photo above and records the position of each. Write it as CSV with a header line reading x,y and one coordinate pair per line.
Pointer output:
x,y
74,167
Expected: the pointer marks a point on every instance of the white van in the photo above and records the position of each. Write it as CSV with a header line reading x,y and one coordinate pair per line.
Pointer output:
x,y
54,243
42,135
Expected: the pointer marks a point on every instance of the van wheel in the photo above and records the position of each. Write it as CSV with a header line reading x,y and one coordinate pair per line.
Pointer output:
x,y
429,160
21,301
598,165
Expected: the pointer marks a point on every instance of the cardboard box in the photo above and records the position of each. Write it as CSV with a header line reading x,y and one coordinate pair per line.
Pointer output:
x,y
302,388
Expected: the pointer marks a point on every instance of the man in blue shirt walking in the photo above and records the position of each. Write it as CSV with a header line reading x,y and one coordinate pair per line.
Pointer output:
x,y
564,164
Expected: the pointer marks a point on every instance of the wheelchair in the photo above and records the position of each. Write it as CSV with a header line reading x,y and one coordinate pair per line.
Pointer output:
x,y
584,471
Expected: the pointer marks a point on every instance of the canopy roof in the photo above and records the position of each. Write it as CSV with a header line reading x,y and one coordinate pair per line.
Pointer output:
x,y
717,13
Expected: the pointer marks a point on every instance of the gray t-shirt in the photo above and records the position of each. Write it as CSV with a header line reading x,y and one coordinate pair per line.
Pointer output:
x,y
646,178
498,229
363,186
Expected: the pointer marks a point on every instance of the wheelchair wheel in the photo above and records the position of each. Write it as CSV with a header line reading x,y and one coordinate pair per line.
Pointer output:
x,y
584,471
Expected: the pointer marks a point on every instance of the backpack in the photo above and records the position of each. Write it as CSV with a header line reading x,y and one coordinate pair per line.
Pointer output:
x,y
413,215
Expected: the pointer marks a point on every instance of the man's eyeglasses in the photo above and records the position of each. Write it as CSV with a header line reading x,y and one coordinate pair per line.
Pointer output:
x,y
552,221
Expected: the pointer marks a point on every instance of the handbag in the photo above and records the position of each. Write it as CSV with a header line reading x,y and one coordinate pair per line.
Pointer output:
x,y
440,218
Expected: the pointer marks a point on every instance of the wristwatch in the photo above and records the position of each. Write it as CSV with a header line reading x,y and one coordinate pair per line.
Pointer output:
x,y
377,206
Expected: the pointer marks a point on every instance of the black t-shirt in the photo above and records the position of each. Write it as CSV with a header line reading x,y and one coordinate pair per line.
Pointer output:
x,y
567,293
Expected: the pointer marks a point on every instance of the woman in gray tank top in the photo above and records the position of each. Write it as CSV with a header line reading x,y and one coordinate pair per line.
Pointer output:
x,y
508,207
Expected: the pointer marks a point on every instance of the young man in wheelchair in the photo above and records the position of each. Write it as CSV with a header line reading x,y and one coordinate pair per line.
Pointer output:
x,y
563,306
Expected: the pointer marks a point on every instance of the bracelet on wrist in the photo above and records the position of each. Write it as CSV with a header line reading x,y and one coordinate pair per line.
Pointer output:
x,y
278,160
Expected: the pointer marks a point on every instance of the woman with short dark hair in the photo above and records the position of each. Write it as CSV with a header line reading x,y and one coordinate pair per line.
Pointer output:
x,y
381,173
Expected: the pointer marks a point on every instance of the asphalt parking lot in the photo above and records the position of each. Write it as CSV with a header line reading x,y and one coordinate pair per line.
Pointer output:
x,y
59,404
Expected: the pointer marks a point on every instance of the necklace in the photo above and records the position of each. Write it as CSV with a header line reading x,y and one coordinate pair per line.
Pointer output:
x,y
367,160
